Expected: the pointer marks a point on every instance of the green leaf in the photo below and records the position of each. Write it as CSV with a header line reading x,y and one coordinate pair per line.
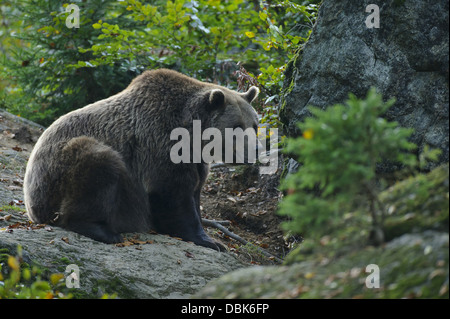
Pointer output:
x,y
263,16
250,34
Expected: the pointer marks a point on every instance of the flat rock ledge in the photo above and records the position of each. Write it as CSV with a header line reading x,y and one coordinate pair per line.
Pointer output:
x,y
151,266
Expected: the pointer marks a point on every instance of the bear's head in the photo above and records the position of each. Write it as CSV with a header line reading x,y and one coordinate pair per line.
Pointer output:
x,y
237,121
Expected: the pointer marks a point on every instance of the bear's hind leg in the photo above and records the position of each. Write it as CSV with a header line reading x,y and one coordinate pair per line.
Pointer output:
x,y
93,191
91,214
97,231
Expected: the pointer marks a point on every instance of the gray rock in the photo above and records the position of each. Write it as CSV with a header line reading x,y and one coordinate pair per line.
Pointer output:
x,y
20,121
164,268
407,58
412,265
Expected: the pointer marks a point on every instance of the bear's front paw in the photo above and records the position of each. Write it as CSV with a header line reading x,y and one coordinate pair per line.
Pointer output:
x,y
210,243
220,246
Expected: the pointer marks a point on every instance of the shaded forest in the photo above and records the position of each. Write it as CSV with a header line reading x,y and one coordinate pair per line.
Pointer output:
x,y
363,163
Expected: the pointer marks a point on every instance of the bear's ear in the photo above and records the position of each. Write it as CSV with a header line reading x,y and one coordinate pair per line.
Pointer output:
x,y
251,94
216,99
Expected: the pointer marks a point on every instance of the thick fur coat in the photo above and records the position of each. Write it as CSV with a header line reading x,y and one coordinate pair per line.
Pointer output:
x,y
105,169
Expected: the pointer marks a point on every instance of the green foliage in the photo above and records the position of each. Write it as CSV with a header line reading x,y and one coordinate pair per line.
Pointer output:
x,y
284,27
339,151
41,85
417,203
20,281
414,263
54,69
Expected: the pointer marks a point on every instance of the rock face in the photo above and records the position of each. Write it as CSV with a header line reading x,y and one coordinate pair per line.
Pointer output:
x,y
407,57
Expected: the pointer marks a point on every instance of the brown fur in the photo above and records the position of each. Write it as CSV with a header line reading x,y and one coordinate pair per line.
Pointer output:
x,y
106,169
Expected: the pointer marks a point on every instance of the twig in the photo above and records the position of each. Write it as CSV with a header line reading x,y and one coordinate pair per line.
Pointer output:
x,y
218,225
212,223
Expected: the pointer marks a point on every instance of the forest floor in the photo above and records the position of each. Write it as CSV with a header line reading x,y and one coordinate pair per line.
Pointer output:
x,y
249,201
238,194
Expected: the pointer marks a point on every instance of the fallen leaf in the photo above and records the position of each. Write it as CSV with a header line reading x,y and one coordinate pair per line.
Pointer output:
x,y
231,199
133,241
253,190
65,239
125,243
188,254
18,183
16,202
15,225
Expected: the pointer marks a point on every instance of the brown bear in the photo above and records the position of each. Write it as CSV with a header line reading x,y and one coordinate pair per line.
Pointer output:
x,y
105,169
